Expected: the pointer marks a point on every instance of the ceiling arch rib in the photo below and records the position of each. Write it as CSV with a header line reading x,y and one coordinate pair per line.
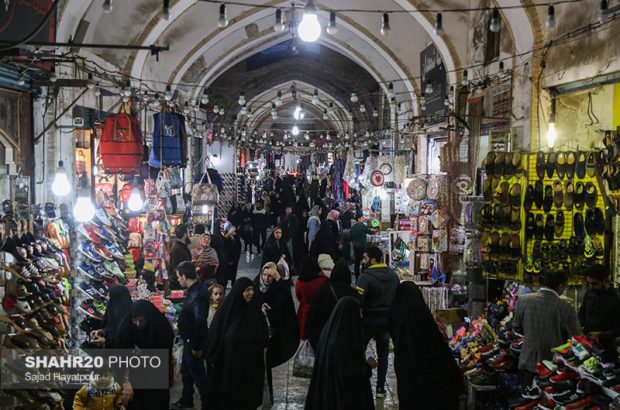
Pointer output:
x,y
338,118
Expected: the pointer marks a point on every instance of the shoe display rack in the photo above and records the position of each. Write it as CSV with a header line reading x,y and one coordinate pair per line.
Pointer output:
x,y
35,295
565,218
501,217
101,262
543,212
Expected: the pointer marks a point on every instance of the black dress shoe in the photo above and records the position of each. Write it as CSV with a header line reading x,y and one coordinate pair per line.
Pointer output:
x,y
548,201
563,250
580,169
591,164
579,196
540,165
590,222
559,224
599,221
551,164
529,198
571,160
561,169
549,227
530,226
578,227
590,195
540,226
538,194
515,196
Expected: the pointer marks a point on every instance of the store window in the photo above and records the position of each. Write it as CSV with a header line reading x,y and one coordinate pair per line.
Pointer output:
x,y
433,158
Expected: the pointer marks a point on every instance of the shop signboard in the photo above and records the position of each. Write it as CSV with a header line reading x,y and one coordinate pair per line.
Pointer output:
x,y
433,72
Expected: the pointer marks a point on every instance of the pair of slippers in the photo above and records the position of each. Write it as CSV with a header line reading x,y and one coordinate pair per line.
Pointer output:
x,y
569,164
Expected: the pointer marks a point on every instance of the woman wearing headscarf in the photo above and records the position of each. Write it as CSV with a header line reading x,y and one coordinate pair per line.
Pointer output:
x,y
306,288
341,375
426,373
275,248
235,351
326,298
218,243
313,224
205,258
145,327
117,310
325,242
274,296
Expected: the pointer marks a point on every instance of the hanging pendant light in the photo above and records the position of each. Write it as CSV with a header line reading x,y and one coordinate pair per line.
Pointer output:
x,y
61,185
309,28
84,210
135,202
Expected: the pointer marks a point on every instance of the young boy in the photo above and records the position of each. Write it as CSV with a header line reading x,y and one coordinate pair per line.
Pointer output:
x,y
103,393
216,292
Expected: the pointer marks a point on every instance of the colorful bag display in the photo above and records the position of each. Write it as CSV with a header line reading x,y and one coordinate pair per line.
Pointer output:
x,y
168,133
121,144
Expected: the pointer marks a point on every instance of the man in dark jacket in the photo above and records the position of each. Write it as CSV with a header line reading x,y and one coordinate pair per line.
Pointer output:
x,y
179,252
358,239
192,326
377,285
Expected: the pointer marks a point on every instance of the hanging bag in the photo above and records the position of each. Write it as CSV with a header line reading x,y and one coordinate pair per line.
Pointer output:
x,y
303,361
205,193
166,149
121,144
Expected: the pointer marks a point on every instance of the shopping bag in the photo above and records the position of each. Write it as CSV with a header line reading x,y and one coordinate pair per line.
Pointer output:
x,y
283,269
303,361
205,193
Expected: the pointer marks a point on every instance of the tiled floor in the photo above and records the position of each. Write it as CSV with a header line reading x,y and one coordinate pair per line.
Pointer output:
x,y
289,391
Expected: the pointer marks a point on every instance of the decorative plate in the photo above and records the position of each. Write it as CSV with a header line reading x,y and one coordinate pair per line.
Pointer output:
x,y
417,189
432,190
377,178
386,168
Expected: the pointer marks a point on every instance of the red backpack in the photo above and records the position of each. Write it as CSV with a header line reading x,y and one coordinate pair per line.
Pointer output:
x,y
121,144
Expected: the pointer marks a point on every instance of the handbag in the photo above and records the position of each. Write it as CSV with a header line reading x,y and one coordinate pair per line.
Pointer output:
x,y
121,144
174,175
205,193
303,361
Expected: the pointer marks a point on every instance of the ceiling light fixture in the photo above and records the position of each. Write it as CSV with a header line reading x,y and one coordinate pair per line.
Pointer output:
x,y
385,25
332,29
53,77
354,97
390,92
325,117
309,29
241,99
279,26
464,79
315,97
429,88
84,210
602,11
107,6
204,100
438,24
362,108
279,99
550,17
61,186
90,84
222,21
495,24
551,131
166,12
295,130
168,94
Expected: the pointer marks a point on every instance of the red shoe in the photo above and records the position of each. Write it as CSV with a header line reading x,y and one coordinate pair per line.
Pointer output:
x,y
486,350
564,374
579,404
543,371
585,341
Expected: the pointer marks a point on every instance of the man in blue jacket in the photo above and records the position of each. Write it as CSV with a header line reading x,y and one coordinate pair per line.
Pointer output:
x,y
377,285
192,326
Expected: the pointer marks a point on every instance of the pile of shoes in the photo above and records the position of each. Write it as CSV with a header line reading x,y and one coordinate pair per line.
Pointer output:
x,y
610,170
565,220
500,217
101,264
582,375
34,292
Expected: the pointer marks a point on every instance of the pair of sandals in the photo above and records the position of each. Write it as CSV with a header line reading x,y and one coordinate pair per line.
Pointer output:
x,y
569,164
536,226
504,246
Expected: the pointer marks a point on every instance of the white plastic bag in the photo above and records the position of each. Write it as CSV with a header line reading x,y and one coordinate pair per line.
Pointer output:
x,y
303,361
283,269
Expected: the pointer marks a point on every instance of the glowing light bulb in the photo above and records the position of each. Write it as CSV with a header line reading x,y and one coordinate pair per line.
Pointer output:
x,y
84,210
552,134
61,185
309,28
295,130
135,202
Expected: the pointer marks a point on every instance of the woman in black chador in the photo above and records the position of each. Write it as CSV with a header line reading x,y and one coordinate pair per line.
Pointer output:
x,y
341,376
145,327
235,351
426,373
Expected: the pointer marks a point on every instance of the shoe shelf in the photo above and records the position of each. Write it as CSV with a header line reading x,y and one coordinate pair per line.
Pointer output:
x,y
565,250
